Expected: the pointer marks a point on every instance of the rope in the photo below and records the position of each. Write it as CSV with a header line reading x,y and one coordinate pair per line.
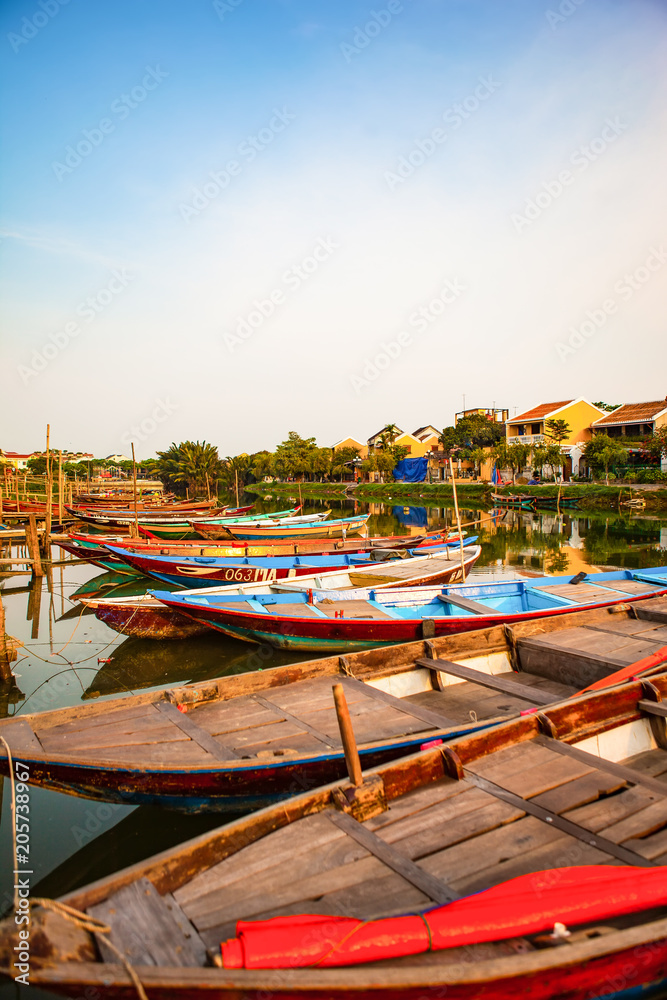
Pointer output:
x,y
93,926
83,920
10,764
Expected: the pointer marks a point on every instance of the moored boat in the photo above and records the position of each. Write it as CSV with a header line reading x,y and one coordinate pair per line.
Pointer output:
x,y
326,619
338,528
249,738
204,571
148,618
525,501
530,855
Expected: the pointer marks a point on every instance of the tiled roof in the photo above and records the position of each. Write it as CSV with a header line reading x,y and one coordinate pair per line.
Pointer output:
x,y
538,412
631,413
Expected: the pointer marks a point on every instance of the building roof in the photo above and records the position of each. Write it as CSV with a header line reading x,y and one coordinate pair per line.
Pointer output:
x,y
633,413
343,440
539,412
382,430
427,428
17,454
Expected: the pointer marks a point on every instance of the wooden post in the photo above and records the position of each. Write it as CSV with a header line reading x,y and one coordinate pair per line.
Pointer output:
x,y
6,675
32,541
60,485
208,485
236,471
49,494
18,505
134,490
347,736
458,522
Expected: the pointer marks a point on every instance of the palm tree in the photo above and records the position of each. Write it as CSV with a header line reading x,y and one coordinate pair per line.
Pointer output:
x,y
192,462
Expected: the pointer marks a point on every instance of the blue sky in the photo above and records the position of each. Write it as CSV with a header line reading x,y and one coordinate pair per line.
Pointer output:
x,y
228,220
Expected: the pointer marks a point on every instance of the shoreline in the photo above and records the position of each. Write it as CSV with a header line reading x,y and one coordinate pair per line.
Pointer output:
x,y
590,495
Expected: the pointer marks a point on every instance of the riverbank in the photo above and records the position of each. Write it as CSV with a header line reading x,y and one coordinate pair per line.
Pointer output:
x,y
589,495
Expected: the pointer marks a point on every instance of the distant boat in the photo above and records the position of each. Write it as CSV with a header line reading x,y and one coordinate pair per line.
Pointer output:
x,y
92,548
520,500
339,528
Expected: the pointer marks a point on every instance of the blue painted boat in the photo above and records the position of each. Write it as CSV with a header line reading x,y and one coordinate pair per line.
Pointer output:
x,y
204,571
329,620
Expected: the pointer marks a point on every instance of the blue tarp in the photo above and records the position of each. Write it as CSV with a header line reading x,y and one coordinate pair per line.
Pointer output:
x,y
411,470
411,517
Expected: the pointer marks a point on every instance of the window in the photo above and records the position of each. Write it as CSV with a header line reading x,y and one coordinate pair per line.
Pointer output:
x,y
536,428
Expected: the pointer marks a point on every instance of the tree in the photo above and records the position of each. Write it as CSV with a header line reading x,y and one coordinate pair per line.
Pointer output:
x,y
500,454
601,452
656,445
37,465
293,455
557,430
477,455
319,462
609,407
262,465
234,469
477,430
449,440
385,463
194,463
340,459
513,456
539,458
553,458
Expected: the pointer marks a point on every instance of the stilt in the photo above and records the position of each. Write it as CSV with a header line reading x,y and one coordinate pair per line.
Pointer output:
x,y
32,543
7,652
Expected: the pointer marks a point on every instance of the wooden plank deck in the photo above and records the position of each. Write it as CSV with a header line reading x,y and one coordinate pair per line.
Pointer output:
x,y
536,808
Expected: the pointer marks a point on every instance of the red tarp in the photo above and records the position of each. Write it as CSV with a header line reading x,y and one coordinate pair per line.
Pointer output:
x,y
524,905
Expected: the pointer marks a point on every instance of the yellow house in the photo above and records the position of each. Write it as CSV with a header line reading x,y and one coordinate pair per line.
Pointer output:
x,y
530,427
416,448
352,443
633,420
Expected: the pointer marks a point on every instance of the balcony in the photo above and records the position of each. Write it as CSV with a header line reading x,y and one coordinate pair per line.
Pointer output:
x,y
529,439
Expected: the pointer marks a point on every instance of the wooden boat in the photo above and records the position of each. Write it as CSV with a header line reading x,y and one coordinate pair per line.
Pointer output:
x,y
202,571
524,501
92,548
148,618
23,507
249,738
168,527
558,819
330,620
156,507
339,528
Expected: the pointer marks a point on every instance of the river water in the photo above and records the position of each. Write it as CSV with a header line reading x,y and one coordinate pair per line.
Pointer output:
x,y
68,658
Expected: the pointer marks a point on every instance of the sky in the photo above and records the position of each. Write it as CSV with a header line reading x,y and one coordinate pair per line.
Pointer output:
x,y
225,220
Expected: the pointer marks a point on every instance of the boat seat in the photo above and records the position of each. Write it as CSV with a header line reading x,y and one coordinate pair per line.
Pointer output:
x,y
353,609
148,928
581,593
465,604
